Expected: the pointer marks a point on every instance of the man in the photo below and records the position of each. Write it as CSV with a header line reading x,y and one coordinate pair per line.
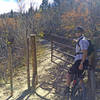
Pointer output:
x,y
81,59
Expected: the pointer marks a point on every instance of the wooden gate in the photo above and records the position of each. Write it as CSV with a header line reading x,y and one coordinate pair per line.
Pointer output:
x,y
59,45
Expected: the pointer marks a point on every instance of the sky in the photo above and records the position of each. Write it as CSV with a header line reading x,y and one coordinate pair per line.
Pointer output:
x,y
8,5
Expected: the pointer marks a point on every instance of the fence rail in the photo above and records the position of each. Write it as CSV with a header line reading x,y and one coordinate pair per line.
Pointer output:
x,y
63,45
65,53
56,46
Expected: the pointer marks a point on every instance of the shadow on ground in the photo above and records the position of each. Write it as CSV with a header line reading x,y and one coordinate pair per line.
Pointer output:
x,y
55,81
28,93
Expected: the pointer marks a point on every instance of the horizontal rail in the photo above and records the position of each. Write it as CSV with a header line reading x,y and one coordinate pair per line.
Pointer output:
x,y
55,63
98,50
97,70
62,59
59,37
98,58
19,48
65,53
63,45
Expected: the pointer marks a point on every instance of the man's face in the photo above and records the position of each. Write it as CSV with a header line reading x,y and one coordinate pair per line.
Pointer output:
x,y
78,34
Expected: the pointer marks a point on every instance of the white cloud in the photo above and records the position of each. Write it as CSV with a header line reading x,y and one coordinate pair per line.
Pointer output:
x,y
8,6
26,3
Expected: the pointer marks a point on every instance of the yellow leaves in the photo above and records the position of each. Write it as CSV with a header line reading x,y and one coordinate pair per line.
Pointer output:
x,y
11,21
37,16
69,14
8,42
69,27
8,22
1,24
41,34
69,19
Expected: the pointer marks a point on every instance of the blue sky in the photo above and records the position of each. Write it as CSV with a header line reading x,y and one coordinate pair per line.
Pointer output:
x,y
8,5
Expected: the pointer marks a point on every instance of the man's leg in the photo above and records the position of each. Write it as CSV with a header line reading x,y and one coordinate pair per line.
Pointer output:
x,y
80,72
70,74
69,78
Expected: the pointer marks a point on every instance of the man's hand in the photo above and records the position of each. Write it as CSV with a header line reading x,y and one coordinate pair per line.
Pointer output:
x,y
81,67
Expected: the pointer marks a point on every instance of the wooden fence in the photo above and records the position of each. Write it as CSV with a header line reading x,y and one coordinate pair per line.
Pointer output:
x,y
60,47
30,42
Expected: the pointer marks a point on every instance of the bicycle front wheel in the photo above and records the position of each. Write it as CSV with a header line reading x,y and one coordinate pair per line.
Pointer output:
x,y
79,93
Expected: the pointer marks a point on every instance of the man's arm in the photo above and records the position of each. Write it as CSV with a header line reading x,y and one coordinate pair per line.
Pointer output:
x,y
84,48
84,56
83,59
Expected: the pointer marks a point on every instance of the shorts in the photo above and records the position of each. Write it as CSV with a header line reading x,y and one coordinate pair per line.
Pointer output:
x,y
75,68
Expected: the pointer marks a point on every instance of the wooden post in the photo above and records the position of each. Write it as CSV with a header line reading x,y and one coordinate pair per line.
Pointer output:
x,y
28,69
10,67
51,50
34,60
92,78
92,85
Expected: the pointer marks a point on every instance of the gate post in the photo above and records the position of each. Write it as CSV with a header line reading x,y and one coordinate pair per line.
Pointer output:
x,y
28,69
91,76
92,84
34,60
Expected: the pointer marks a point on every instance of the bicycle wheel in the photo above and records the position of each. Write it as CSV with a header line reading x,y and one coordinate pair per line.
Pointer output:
x,y
83,92
78,92
67,96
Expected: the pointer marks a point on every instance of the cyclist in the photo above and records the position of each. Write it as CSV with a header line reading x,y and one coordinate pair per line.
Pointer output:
x,y
81,59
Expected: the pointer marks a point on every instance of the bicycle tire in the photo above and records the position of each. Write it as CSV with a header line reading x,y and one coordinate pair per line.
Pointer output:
x,y
79,92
